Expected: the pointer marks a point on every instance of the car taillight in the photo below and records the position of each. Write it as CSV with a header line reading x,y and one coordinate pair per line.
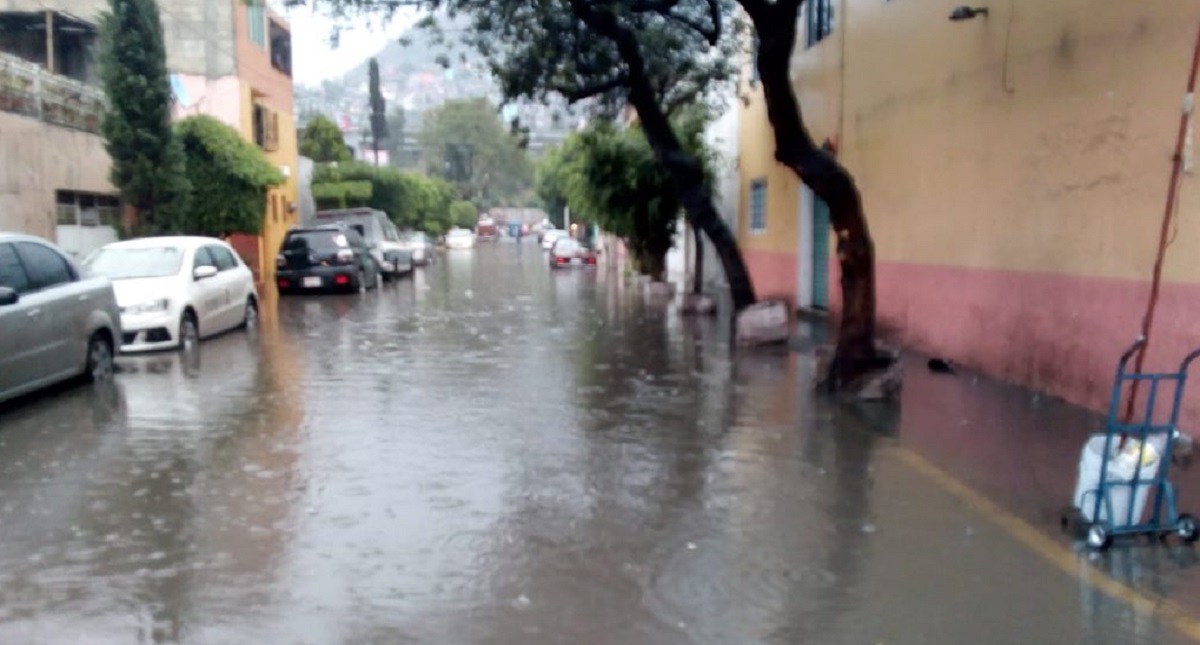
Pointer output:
x,y
590,260
342,279
560,260
345,256
284,284
280,261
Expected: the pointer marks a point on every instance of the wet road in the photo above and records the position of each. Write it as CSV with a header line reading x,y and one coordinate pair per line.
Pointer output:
x,y
492,453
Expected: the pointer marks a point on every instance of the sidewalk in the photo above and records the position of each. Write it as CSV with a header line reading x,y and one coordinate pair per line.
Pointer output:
x,y
1020,449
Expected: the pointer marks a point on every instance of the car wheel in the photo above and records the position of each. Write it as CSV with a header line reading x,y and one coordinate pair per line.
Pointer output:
x,y
250,320
99,358
189,333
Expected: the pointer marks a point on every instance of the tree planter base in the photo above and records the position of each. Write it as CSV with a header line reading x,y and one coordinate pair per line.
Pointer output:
x,y
658,292
698,304
765,323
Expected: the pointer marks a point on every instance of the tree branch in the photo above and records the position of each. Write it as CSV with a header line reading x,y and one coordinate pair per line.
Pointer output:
x,y
711,34
757,9
587,91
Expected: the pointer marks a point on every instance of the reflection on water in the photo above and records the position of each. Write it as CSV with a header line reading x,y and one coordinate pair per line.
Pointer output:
x,y
493,452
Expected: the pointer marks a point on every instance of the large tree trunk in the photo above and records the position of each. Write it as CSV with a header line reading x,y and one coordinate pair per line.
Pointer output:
x,y
855,353
687,175
698,278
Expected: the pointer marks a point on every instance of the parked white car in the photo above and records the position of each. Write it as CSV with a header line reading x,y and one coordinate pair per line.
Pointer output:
x,y
173,291
460,238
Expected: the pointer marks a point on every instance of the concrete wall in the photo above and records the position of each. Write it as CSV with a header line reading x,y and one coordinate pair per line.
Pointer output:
x,y
198,33
1013,169
36,160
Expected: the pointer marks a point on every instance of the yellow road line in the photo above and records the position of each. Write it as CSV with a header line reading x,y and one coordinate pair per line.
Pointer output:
x,y
1054,552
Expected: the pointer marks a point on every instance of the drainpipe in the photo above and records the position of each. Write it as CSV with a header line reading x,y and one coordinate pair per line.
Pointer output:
x,y
1164,232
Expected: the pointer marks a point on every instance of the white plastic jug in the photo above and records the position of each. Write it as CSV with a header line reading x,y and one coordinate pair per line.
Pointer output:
x,y
1119,470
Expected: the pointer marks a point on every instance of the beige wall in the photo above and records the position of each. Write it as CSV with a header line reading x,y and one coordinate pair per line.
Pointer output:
x,y
37,159
1038,138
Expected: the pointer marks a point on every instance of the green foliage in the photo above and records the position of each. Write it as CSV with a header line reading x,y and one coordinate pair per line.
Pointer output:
x,y
395,140
147,161
610,177
466,143
463,215
321,140
229,179
411,200
342,194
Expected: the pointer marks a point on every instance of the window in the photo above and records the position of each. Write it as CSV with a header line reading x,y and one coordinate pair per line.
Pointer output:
x,y
203,259
266,128
87,209
281,48
758,206
819,16
257,18
44,266
12,274
223,257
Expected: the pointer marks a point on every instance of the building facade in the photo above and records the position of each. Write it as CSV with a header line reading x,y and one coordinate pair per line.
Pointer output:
x,y
1014,168
230,59
53,166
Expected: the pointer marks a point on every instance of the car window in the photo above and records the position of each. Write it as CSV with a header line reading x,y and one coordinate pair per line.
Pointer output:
x,y
12,274
223,257
203,259
44,266
120,263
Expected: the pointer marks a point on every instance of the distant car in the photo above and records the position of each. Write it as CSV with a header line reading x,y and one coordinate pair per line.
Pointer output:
x,y
321,258
380,234
567,252
486,229
550,236
173,291
460,239
55,322
421,246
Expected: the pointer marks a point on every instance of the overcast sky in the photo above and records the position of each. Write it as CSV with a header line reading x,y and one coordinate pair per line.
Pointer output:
x,y
315,60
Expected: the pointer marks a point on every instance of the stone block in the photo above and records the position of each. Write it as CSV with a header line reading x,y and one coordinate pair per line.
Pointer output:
x,y
764,323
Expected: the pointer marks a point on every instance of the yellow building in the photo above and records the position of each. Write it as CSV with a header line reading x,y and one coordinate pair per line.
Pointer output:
x,y
1014,168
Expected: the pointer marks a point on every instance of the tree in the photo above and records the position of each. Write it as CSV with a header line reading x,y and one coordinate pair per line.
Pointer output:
x,y
411,200
466,143
775,27
147,161
395,140
230,178
551,183
321,140
379,125
463,214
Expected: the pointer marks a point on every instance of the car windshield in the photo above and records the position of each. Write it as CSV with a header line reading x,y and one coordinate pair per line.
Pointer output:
x,y
319,241
415,238
122,263
566,246
458,232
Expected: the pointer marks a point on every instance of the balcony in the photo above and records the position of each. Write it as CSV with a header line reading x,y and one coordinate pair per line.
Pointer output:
x,y
28,89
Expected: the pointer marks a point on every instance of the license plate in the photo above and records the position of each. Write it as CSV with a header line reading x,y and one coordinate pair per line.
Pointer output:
x,y
311,282
576,261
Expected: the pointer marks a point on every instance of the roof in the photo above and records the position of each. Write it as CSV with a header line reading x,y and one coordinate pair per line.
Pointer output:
x,y
181,241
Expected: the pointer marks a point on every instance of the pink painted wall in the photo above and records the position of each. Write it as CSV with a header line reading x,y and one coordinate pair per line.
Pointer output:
x,y
773,273
1056,333
220,98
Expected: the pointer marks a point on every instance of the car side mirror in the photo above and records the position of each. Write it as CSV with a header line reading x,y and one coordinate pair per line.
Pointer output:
x,y
204,272
8,296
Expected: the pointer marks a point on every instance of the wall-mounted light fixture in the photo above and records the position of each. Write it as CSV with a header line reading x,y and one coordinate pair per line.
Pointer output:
x,y
963,12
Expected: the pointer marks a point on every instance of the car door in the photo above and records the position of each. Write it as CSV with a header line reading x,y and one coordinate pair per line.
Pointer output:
x,y
206,293
230,308
56,307
18,345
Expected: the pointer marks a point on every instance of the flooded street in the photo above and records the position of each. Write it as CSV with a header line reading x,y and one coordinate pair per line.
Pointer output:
x,y
491,452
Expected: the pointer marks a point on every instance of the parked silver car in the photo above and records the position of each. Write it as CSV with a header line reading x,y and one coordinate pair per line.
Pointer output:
x,y
55,324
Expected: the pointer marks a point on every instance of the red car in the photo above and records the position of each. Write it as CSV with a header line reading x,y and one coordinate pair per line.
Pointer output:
x,y
567,252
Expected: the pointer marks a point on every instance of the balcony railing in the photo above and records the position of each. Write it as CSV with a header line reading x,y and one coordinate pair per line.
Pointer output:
x,y
28,89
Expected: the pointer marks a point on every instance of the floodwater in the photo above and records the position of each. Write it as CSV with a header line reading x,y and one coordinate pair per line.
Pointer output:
x,y
492,452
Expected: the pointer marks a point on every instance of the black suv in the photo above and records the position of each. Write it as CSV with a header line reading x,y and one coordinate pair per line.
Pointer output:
x,y
326,257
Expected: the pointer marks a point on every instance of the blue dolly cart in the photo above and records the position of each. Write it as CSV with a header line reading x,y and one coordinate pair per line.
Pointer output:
x,y
1164,518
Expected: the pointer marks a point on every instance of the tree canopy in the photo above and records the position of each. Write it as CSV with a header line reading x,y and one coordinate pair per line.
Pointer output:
x,y
411,200
230,178
466,143
322,141
379,124
147,162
